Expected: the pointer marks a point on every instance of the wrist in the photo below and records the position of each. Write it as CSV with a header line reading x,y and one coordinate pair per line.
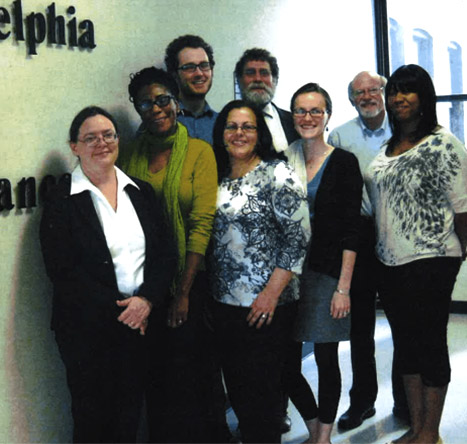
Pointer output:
x,y
342,291
147,301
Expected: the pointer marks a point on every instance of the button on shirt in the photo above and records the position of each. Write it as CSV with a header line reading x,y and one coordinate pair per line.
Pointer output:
x,y
122,229
355,137
273,121
199,127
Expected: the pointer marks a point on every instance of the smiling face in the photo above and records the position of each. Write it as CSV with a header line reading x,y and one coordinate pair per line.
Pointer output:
x,y
307,126
256,83
197,83
368,95
101,154
241,143
158,120
405,107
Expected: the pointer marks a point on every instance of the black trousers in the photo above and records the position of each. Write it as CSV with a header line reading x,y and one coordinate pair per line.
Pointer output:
x,y
106,384
362,343
253,362
416,298
185,396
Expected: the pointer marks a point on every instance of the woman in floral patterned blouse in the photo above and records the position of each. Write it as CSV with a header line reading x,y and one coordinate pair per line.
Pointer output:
x,y
418,188
260,235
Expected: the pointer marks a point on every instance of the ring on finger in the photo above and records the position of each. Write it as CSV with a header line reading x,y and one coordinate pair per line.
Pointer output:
x,y
264,316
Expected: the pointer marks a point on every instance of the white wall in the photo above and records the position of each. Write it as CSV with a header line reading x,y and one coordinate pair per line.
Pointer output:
x,y
39,96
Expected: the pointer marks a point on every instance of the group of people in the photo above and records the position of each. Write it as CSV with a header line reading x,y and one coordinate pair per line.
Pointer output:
x,y
222,242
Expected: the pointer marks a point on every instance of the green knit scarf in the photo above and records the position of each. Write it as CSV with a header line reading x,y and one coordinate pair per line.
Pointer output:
x,y
138,166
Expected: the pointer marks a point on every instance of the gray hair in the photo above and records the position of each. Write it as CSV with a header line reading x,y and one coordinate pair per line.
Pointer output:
x,y
381,78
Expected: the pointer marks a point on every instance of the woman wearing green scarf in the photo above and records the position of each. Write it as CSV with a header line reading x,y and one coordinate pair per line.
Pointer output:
x,y
183,174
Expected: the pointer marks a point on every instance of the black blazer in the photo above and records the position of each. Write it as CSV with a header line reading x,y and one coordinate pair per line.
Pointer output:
x,y
79,264
336,221
287,124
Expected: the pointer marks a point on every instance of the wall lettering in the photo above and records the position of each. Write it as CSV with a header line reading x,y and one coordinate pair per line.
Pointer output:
x,y
26,191
37,27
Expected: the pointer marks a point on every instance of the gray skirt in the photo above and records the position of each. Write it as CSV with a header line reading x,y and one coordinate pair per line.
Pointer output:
x,y
314,322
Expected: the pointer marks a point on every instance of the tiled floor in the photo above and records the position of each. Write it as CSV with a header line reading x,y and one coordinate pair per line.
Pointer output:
x,y
383,426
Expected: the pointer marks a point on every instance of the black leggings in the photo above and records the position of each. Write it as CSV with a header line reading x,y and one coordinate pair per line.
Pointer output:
x,y
329,378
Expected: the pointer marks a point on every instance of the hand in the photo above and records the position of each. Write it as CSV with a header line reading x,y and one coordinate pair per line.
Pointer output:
x,y
340,305
262,310
136,313
178,311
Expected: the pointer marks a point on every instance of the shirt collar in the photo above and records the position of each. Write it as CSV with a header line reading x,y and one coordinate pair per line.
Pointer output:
x,y
80,182
268,110
207,110
378,131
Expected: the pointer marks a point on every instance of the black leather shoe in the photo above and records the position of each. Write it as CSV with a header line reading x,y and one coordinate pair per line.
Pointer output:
x,y
286,424
352,418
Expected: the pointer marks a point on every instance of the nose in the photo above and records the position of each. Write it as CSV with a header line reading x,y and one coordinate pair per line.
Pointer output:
x,y
397,97
257,76
156,108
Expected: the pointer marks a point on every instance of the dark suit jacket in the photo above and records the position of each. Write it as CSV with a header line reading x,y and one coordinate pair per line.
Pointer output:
x,y
287,124
80,266
336,221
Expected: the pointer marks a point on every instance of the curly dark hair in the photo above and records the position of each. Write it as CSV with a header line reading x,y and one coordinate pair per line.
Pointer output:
x,y
264,148
413,79
257,54
85,113
148,76
312,87
185,41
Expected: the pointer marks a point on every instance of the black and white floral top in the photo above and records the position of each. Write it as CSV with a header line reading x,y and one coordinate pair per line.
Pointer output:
x,y
261,222
415,196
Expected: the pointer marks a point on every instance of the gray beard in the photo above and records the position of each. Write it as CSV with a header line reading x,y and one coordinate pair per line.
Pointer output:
x,y
258,99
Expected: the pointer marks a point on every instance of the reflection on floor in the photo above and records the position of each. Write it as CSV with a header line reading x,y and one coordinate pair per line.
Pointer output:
x,y
383,426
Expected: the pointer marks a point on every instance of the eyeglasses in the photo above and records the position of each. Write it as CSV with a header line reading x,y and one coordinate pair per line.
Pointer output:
x,y
92,141
314,112
246,128
160,101
372,91
252,72
191,67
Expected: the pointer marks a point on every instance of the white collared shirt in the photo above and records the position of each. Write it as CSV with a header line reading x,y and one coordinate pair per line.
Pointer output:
x,y
122,229
273,121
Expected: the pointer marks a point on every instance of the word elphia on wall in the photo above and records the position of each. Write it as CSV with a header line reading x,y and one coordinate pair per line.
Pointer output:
x,y
51,26
26,191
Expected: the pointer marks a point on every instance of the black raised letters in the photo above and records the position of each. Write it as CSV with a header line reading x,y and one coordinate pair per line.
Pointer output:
x,y
38,26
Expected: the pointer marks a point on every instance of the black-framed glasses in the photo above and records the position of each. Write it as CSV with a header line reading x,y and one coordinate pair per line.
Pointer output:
x,y
93,140
371,91
263,72
246,128
314,112
191,67
160,101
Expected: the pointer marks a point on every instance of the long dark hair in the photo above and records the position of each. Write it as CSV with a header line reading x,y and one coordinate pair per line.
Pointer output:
x,y
263,149
413,79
